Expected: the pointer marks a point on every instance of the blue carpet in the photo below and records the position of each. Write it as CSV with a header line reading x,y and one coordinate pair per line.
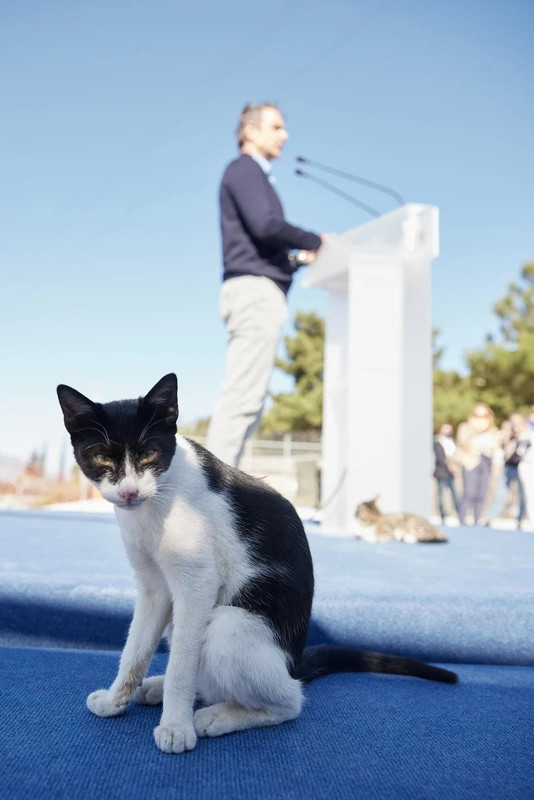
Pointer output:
x,y
469,601
359,736
65,582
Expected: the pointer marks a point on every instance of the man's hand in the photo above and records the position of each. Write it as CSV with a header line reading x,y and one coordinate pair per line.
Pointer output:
x,y
305,257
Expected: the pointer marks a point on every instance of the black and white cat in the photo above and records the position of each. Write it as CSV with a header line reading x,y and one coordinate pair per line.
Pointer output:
x,y
222,565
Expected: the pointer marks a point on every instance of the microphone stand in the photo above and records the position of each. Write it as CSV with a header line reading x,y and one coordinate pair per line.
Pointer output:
x,y
372,211
340,173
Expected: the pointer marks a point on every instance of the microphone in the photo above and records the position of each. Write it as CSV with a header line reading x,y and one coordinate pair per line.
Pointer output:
x,y
372,211
378,186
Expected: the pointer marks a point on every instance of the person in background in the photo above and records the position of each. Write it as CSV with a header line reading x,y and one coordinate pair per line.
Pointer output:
x,y
526,469
530,419
514,445
476,447
444,467
257,275
501,497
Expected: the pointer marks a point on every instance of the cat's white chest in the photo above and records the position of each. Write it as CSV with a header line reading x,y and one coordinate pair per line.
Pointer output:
x,y
184,532
179,531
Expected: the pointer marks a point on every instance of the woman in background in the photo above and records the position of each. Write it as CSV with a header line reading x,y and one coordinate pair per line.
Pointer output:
x,y
476,446
525,448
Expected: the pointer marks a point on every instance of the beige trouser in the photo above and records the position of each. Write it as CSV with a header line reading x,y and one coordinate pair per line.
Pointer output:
x,y
254,311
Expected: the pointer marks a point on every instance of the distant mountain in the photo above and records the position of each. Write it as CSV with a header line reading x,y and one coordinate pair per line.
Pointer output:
x,y
10,467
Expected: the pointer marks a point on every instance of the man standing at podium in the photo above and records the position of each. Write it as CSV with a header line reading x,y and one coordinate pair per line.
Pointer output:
x,y
257,275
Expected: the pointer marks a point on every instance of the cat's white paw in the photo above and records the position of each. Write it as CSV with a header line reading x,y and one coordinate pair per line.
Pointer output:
x,y
150,693
175,738
104,704
214,721
204,719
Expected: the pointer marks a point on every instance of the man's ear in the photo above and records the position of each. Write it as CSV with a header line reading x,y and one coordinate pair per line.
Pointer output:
x,y
76,407
164,398
249,131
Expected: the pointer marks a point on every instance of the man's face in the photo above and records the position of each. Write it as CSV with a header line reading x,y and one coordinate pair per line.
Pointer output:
x,y
268,138
516,421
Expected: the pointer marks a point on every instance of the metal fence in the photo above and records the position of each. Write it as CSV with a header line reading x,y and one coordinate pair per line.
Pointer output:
x,y
290,466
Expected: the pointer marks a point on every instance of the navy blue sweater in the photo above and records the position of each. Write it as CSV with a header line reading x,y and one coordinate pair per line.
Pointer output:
x,y
255,236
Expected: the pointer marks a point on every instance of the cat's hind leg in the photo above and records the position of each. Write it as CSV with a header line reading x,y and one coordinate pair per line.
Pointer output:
x,y
243,676
221,718
150,692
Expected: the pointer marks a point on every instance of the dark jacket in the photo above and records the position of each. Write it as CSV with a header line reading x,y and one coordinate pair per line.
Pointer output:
x,y
255,236
441,469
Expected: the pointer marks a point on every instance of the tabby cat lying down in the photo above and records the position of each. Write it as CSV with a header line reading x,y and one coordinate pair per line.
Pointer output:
x,y
222,565
402,527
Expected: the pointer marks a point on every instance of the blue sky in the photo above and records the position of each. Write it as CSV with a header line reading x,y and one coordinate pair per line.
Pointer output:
x,y
118,119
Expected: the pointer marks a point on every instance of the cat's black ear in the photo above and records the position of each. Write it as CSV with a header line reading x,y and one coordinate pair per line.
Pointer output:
x,y
76,407
164,397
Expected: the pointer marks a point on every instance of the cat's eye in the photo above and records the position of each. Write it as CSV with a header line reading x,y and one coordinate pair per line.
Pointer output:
x,y
102,459
148,456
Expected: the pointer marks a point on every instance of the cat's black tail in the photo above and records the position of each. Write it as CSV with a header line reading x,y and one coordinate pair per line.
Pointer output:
x,y
326,659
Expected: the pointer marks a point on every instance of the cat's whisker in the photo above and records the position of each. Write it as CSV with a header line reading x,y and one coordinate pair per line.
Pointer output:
x,y
162,502
95,444
163,494
165,502
147,427
104,432
162,498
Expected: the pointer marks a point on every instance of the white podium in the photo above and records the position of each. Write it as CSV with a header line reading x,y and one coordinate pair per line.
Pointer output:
x,y
377,414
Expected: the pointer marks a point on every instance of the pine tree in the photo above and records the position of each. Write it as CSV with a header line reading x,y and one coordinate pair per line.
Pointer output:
x,y
302,410
503,372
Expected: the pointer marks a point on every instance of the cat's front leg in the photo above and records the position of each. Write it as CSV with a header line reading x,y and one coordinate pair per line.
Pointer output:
x,y
108,703
194,597
151,615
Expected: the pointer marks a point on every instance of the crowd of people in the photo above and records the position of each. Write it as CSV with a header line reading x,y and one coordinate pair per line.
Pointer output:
x,y
490,464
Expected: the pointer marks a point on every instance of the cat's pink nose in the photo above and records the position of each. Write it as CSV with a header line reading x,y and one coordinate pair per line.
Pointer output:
x,y
128,494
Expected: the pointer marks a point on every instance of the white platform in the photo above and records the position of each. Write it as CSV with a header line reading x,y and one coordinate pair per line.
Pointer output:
x,y
377,420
